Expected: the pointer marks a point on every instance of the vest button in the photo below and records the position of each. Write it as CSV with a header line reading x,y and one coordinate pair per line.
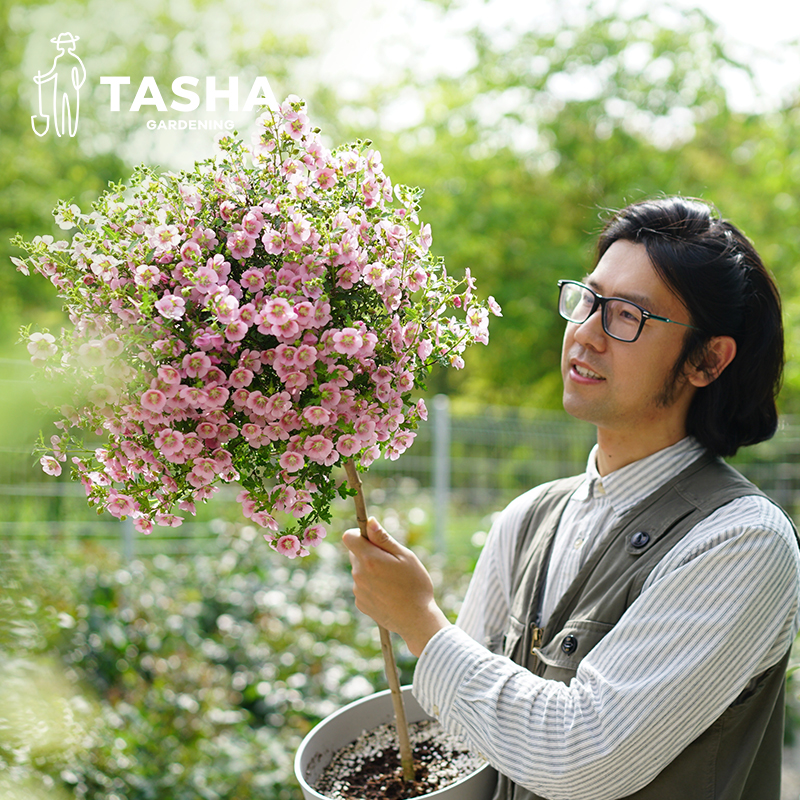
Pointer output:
x,y
569,645
640,539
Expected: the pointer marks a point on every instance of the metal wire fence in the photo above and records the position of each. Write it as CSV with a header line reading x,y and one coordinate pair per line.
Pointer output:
x,y
465,465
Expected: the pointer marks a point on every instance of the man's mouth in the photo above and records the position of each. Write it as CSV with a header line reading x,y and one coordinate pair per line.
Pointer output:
x,y
585,372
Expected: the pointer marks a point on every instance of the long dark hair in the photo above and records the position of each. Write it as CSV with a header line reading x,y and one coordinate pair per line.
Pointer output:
x,y
720,278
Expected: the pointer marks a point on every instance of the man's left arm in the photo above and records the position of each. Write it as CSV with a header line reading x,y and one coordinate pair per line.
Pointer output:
x,y
672,664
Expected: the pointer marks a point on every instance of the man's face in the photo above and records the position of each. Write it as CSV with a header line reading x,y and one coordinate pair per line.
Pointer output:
x,y
626,389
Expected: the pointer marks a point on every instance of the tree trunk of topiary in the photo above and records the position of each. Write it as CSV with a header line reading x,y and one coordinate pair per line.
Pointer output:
x,y
406,758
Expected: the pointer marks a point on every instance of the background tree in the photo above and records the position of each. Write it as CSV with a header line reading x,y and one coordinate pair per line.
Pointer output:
x,y
524,154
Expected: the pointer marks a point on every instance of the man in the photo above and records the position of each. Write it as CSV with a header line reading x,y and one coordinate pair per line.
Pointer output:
x,y
626,632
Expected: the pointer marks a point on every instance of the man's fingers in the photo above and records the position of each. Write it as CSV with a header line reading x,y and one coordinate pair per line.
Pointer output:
x,y
376,535
380,538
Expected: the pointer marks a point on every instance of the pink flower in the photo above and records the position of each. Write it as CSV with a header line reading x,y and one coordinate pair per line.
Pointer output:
x,y
196,365
316,415
291,462
143,525
351,162
217,395
227,208
305,356
317,447
477,319
253,279
50,465
402,441
272,241
190,252
290,421
278,310
205,279
494,307
153,400
226,308
322,314
425,238
278,405
348,444
416,279
304,311
405,382
168,520
41,346
205,237
347,341
284,357
192,445
226,432
169,442
241,377
347,276
297,125
325,178
289,546
265,520
370,190
166,235
314,534
258,403
253,222
171,306
287,330
193,396
369,455
169,375
302,504
424,349
252,432
241,244
146,275
329,395
382,375
206,430
203,472
299,229
120,505
235,331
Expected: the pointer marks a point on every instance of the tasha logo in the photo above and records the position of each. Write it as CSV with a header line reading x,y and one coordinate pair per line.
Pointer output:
x,y
67,76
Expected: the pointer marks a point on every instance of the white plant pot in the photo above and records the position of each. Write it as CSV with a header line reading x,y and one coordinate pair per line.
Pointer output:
x,y
348,723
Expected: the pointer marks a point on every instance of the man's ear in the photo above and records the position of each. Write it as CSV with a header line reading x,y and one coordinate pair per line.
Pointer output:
x,y
718,352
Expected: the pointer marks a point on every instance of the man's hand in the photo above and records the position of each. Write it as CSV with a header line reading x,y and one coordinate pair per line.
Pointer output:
x,y
392,586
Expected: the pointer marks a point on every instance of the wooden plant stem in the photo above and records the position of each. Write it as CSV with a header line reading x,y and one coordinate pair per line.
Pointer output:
x,y
406,758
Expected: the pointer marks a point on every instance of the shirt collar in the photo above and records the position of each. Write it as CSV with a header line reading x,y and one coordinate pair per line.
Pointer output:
x,y
628,485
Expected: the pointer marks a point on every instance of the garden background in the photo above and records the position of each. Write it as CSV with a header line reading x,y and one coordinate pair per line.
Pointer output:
x,y
190,665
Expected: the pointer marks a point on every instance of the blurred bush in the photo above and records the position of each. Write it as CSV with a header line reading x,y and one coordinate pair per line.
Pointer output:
x,y
175,678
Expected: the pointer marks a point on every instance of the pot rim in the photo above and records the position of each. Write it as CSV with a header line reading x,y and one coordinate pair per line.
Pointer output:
x,y
330,719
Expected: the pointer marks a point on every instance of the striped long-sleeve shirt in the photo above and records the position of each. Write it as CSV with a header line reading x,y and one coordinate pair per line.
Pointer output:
x,y
720,608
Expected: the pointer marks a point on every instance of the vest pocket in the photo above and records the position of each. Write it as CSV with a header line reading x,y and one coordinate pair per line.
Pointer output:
x,y
562,654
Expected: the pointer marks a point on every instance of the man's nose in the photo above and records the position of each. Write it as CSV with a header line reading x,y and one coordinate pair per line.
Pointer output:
x,y
590,332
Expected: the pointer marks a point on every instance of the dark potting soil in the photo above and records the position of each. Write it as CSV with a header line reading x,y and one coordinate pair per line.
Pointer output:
x,y
369,768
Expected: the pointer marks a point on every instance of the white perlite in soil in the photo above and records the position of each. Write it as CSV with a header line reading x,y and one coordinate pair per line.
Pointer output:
x,y
450,761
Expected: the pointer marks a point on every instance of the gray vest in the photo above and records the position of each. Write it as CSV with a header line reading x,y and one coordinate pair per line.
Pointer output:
x,y
739,756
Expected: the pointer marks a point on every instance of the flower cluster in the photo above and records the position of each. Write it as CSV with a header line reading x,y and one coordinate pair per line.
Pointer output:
x,y
255,320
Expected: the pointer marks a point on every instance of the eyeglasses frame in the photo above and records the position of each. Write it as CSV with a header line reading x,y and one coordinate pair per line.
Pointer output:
x,y
601,301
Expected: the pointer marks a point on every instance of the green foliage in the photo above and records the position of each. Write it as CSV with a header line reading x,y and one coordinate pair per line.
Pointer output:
x,y
523,156
181,679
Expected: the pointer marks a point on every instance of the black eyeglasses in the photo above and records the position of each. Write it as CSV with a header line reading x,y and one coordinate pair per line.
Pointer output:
x,y
621,319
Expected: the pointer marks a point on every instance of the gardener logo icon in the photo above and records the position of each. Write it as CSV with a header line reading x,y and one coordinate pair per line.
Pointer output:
x,y
67,78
